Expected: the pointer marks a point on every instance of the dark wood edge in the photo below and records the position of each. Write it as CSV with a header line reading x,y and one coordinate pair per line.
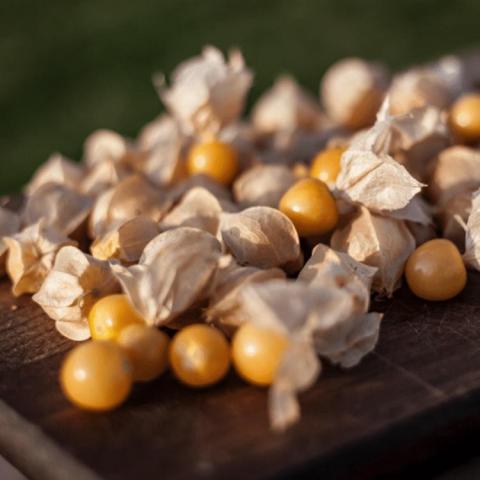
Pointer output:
x,y
33,453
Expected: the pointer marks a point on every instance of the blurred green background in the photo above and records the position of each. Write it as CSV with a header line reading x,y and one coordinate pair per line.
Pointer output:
x,y
69,67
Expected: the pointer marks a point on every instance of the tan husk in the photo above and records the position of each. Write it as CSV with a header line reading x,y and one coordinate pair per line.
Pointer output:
x,y
263,185
262,237
9,225
31,254
133,196
160,130
125,242
206,92
198,208
457,170
216,189
224,303
452,216
472,235
102,176
352,91
314,320
71,288
377,241
59,206
104,145
174,274
57,169
286,106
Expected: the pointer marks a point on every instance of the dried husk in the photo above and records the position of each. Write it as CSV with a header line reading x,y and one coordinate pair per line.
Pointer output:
x,y
62,208
57,169
370,177
416,88
104,145
9,225
71,288
453,214
31,254
314,320
262,237
286,106
457,170
352,91
472,235
263,185
198,208
207,92
216,189
126,241
381,242
174,274
103,176
159,130
224,303
132,197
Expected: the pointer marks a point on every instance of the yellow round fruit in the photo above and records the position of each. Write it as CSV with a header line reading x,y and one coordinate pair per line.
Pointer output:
x,y
96,375
310,206
110,315
257,353
465,118
199,355
435,270
326,164
147,349
215,159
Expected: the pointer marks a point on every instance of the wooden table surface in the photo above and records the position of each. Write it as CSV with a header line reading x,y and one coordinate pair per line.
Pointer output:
x,y
410,406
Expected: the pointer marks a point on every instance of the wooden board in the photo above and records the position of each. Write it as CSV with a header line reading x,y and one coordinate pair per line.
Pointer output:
x,y
404,407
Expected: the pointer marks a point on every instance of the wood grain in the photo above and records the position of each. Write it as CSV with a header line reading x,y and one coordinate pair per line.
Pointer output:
x,y
403,408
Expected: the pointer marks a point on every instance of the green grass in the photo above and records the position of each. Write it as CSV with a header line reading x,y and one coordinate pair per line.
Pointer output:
x,y
69,67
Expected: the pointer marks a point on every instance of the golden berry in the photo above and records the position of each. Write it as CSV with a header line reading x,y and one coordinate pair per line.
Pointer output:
x,y
147,349
214,159
199,355
110,315
435,270
465,118
310,206
256,353
326,164
96,375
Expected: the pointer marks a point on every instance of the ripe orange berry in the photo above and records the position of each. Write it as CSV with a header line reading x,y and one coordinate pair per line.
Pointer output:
x,y
465,118
256,353
310,206
214,159
326,164
435,270
96,375
199,356
110,315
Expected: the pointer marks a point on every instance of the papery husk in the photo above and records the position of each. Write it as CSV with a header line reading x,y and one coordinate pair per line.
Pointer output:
x,y
174,274
263,185
57,169
206,92
244,139
286,106
369,176
132,197
352,91
60,207
224,304
457,170
416,88
31,254
452,216
103,176
472,234
314,320
326,267
378,241
9,225
262,237
126,241
198,208
421,233
216,189
71,288
159,130
104,145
